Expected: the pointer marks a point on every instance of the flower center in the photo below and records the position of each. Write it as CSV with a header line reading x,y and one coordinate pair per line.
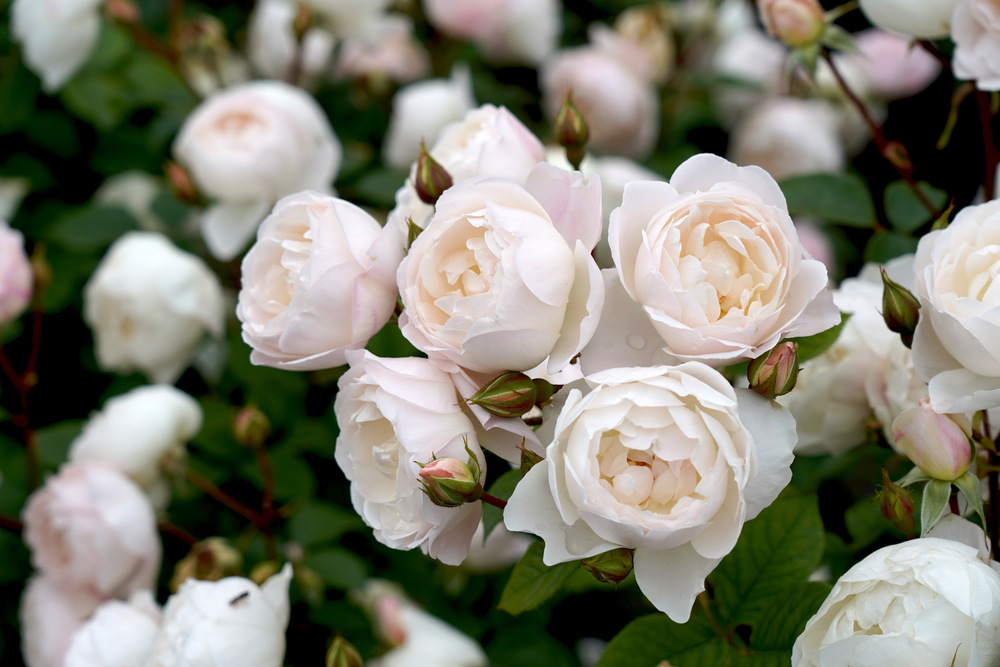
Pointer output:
x,y
637,477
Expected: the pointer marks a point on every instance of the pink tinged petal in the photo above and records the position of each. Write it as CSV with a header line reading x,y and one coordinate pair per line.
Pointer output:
x,y
961,390
811,300
531,509
773,430
572,202
583,312
640,203
227,227
672,578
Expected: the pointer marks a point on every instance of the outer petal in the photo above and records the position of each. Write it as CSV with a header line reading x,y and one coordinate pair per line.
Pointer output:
x,y
640,202
773,431
228,226
672,578
572,201
583,312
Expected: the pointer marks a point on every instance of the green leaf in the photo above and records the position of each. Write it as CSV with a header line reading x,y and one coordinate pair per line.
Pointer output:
x,y
883,247
532,582
315,523
527,645
933,503
904,210
91,228
782,546
839,198
54,441
817,344
338,567
502,488
649,640
783,620
968,484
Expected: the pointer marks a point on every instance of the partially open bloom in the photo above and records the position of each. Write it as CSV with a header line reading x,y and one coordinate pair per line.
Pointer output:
x,y
56,36
937,444
520,31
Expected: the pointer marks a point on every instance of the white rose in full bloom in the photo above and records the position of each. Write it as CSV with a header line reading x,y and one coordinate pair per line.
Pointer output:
x,y
714,262
895,66
927,601
148,304
502,277
119,634
320,280
135,432
421,110
51,612
247,147
611,82
56,36
232,622
391,50
975,29
928,19
92,526
489,141
395,414
955,347
273,47
667,460
521,31
16,276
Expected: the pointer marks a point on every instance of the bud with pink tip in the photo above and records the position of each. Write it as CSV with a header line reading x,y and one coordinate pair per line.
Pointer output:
x,y
934,442
449,482
797,23
775,373
251,427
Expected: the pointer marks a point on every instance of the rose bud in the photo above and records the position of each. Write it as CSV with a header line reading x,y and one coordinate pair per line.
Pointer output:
x,y
209,560
509,395
611,567
343,654
896,504
934,442
570,130
251,427
450,483
774,374
431,178
797,23
900,309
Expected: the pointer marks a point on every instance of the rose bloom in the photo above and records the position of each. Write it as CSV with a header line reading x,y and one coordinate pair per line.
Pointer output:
x,y
16,276
787,136
611,84
394,415
148,304
247,147
927,601
975,29
895,66
714,261
273,46
420,111
92,526
927,19
232,621
51,612
519,31
138,432
119,634
502,277
56,36
348,18
391,51
955,345
319,281
667,460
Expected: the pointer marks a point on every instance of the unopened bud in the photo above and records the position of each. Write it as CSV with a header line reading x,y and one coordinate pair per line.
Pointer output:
x,y
41,274
449,482
209,560
942,220
898,156
934,442
431,178
797,23
181,184
509,395
303,20
774,374
896,504
610,567
122,10
900,309
570,131
261,572
544,391
251,427
343,654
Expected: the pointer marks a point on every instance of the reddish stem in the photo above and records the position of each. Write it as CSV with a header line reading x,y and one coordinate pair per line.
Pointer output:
x,y
173,530
499,503
209,489
992,157
11,524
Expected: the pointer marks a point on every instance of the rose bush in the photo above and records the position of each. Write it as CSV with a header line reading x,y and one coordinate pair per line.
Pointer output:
x,y
669,461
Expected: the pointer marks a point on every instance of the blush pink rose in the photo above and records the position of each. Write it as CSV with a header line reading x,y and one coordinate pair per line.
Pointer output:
x,y
15,274
51,612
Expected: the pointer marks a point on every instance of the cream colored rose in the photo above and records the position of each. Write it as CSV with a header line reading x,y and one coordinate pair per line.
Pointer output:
x,y
927,19
56,36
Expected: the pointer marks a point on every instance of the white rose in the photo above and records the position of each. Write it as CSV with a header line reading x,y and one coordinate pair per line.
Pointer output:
x,y
896,68
928,19
92,526
502,277
391,51
247,147
609,88
232,622
669,461
955,346
349,18
394,415
119,634
714,261
754,63
136,431
420,111
273,47
520,31
927,601
16,276
149,303
489,141
975,30
319,281
51,612
498,551
56,37
787,136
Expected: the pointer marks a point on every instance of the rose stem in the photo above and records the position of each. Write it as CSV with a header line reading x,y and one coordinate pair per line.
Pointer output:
x,y
23,383
209,489
493,500
12,525
176,531
992,158
879,137
175,19
993,482
929,47
268,512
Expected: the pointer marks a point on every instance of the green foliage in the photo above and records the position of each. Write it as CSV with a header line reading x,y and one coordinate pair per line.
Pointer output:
x,y
533,582
905,211
840,198
502,488
817,344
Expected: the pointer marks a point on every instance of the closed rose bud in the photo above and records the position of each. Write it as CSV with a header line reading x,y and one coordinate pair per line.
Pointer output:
x,y
896,504
899,308
343,654
571,131
611,567
431,178
934,442
209,560
774,374
795,22
508,395
251,427
450,483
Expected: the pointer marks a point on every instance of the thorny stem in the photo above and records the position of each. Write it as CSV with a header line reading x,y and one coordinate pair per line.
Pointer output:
x,y
878,136
176,531
992,157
